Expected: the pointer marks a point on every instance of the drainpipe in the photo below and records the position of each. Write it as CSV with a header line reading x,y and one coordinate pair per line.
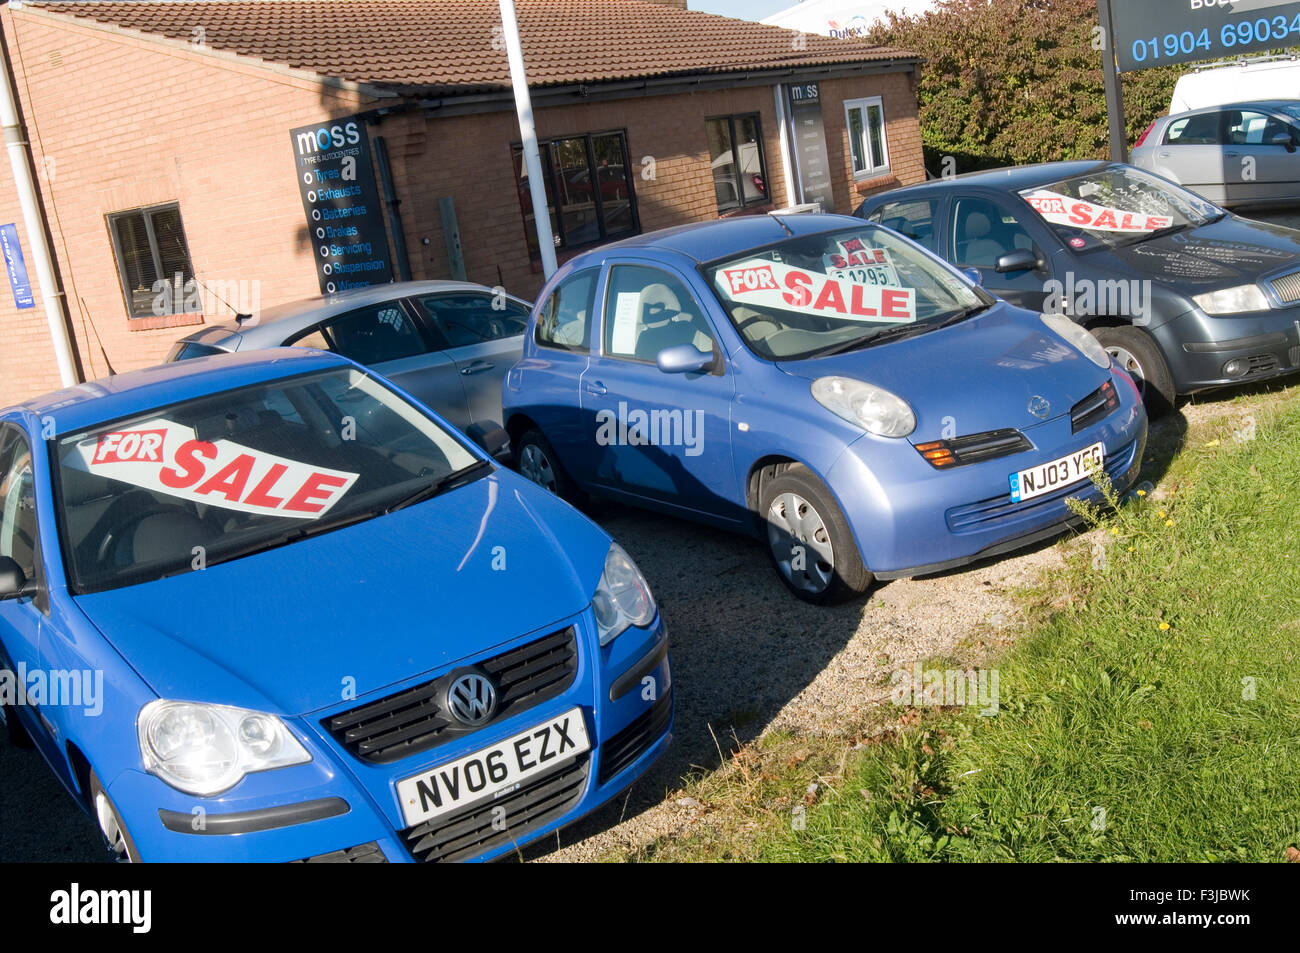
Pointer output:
x,y
528,133
34,218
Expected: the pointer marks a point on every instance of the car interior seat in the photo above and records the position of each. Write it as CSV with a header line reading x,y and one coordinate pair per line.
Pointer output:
x,y
661,324
977,245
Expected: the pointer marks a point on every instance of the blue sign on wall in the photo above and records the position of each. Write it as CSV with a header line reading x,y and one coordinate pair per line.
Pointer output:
x,y
16,266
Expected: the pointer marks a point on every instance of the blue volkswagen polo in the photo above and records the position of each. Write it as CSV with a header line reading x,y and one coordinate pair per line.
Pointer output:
x,y
267,607
825,383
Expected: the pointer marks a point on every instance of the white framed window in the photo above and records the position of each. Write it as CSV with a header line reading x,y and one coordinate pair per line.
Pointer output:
x,y
865,119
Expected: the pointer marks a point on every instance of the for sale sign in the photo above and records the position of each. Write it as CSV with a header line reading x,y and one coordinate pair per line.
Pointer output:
x,y
167,457
1076,213
779,286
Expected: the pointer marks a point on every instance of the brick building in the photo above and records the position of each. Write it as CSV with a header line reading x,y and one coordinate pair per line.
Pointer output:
x,y
160,138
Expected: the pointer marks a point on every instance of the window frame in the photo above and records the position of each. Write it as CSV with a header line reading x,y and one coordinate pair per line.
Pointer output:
x,y
429,314
544,146
585,347
10,434
864,103
146,212
428,336
607,284
731,119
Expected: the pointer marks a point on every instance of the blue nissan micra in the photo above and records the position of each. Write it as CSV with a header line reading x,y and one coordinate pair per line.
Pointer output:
x,y
267,607
825,383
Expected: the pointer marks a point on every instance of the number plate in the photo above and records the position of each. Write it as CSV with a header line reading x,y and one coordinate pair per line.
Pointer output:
x,y
490,772
1047,477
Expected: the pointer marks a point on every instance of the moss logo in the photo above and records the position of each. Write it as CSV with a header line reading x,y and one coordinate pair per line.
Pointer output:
x,y
311,141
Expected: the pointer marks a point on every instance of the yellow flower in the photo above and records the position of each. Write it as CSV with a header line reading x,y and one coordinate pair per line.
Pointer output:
x,y
1164,626
1169,522
1162,514
1132,549
1114,531
1142,492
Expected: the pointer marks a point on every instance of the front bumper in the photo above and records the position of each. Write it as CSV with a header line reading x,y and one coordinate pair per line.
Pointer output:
x,y
910,519
341,809
1199,347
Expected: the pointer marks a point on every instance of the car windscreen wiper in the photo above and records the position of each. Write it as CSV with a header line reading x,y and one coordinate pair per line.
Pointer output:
x,y
1158,233
448,482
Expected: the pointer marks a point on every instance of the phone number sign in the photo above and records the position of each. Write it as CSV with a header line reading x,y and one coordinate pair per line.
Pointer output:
x,y
1163,32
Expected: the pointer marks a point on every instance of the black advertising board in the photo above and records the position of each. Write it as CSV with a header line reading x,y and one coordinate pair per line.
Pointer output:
x,y
809,135
1163,32
345,219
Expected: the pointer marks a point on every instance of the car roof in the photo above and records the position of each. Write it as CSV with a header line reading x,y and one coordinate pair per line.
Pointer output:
x,y
1008,179
708,241
310,310
133,392
1274,105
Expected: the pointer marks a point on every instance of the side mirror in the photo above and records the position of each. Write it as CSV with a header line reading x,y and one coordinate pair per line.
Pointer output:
x,y
492,438
974,274
1022,259
13,581
683,359
1285,140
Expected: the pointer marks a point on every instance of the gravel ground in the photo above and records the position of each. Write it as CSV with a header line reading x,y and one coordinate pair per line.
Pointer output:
x,y
746,658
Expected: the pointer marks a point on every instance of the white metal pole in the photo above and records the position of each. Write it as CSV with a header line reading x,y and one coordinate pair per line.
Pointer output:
x,y
34,218
528,132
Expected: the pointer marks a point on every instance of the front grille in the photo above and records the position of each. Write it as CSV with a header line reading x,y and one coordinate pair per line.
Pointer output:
x,y
1261,364
1287,287
973,448
361,854
505,820
988,514
1096,406
618,753
412,720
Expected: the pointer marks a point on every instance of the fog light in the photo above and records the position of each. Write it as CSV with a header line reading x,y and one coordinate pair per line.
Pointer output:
x,y
1236,368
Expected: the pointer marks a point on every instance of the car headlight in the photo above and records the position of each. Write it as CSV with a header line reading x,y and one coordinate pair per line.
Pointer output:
x,y
1079,337
205,749
622,598
1239,300
869,406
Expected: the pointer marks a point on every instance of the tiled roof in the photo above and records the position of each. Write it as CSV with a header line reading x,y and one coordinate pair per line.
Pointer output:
x,y
455,46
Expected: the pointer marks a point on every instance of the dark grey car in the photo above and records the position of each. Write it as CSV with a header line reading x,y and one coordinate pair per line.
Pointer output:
x,y
1183,294
449,343
1243,154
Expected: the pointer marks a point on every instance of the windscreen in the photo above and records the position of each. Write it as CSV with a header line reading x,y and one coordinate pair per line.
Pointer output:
x,y
216,478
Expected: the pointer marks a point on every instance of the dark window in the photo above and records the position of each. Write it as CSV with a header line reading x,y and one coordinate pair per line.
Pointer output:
x,y
1200,130
588,190
187,350
153,260
565,319
17,502
466,319
371,335
647,310
914,219
736,154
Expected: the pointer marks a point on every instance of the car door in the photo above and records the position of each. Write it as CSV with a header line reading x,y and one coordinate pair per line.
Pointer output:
x,y
22,620
1256,170
656,436
984,229
385,337
484,334
1191,153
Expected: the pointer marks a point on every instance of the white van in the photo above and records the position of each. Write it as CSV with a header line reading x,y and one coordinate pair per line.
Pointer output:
x,y
1261,78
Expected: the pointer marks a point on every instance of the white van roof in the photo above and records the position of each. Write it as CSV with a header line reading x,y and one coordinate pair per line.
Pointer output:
x,y
1267,77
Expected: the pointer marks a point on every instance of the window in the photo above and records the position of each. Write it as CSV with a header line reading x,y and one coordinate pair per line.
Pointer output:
x,y
153,260
739,170
466,319
984,233
17,502
1202,130
372,335
588,190
647,310
1247,128
565,319
866,123
913,219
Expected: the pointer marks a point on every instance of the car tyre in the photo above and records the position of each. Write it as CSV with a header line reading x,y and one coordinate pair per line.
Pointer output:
x,y
1140,357
11,728
111,827
538,462
798,511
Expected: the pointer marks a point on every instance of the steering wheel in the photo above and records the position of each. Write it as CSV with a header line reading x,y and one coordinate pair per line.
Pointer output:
x,y
755,319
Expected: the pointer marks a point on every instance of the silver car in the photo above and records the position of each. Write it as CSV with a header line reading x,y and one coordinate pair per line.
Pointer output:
x,y
1234,155
449,343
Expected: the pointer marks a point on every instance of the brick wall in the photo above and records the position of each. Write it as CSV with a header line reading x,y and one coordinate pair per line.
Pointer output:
x,y
119,122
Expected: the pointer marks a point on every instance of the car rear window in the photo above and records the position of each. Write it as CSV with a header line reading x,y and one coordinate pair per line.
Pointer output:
x,y
187,350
